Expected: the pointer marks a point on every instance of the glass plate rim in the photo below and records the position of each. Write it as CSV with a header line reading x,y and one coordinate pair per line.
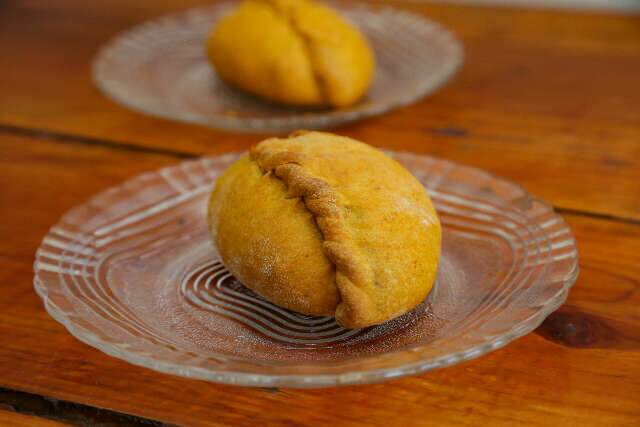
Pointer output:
x,y
315,120
365,376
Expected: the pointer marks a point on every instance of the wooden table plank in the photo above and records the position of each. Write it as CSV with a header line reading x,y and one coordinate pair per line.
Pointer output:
x,y
545,98
580,368
14,419
18,408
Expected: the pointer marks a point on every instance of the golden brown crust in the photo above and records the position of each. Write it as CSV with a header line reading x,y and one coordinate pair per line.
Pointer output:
x,y
352,272
270,242
297,52
283,9
323,224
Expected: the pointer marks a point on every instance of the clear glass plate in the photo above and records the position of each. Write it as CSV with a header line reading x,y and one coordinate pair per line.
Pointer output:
x,y
160,68
134,273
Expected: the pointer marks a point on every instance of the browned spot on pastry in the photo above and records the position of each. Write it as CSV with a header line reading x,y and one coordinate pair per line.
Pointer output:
x,y
353,274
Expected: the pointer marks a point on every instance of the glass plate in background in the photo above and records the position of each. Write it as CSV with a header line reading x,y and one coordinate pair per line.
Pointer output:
x,y
133,272
160,68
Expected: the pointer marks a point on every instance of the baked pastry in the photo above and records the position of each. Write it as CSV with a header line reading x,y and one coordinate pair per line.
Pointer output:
x,y
297,52
326,225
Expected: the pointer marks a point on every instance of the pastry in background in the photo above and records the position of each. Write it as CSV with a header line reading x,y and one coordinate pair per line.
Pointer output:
x,y
297,52
328,226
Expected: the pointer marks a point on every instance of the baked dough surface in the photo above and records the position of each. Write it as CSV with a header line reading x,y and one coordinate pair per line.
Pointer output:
x,y
296,52
326,225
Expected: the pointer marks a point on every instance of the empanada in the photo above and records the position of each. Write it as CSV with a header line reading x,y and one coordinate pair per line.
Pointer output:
x,y
326,225
296,52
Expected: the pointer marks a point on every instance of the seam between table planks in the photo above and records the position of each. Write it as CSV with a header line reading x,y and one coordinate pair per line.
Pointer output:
x,y
596,215
67,138
85,140
48,408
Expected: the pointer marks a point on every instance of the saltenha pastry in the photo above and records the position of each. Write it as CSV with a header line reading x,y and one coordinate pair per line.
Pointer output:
x,y
328,226
297,52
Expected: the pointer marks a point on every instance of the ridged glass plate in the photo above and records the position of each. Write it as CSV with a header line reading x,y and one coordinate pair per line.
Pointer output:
x,y
160,68
134,273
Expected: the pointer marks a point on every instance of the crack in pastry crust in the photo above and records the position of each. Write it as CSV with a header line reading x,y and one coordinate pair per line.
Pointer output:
x,y
307,41
353,275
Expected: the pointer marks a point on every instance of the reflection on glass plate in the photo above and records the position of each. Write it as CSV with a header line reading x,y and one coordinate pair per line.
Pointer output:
x,y
134,273
160,68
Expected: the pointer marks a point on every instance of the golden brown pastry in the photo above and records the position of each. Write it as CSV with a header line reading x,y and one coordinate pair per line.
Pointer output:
x,y
296,52
327,225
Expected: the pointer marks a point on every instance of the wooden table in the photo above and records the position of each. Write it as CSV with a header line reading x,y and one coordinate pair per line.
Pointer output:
x,y
548,99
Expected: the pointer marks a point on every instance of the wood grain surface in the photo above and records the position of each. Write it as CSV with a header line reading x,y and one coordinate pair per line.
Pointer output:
x,y
555,376
548,99
19,420
544,98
